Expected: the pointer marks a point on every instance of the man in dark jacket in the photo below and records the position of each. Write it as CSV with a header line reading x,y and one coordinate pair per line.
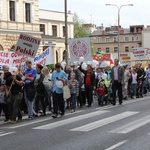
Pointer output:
x,y
89,81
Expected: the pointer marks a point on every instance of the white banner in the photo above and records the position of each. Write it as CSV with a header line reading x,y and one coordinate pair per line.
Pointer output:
x,y
139,53
80,47
125,58
14,59
45,58
27,45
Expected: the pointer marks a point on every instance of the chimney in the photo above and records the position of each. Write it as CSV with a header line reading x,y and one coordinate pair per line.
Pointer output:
x,y
103,32
139,30
135,31
122,30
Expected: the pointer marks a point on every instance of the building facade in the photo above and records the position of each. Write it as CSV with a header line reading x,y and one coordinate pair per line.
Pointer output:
x,y
52,24
106,40
24,16
18,16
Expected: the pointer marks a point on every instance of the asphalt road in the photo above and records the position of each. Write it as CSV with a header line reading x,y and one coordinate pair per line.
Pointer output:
x,y
125,127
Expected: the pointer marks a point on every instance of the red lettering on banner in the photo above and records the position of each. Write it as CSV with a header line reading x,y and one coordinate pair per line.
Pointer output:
x,y
15,55
122,55
4,54
101,57
25,51
17,61
4,61
30,39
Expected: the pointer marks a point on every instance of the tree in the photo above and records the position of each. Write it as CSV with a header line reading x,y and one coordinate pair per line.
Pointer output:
x,y
79,30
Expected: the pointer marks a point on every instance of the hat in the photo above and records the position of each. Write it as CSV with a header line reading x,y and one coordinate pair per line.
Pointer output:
x,y
7,75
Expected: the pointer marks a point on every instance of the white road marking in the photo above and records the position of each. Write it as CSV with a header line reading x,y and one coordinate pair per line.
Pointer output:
x,y
132,125
102,122
117,145
37,121
70,120
4,134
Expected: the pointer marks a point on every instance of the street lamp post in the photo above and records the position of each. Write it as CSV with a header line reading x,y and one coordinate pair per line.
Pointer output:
x,y
66,32
118,8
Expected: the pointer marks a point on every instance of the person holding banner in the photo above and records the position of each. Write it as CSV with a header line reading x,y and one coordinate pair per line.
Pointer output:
x,y
29,90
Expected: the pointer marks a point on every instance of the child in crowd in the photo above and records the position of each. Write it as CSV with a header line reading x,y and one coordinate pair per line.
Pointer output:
x,y
101,94
2,93
74,91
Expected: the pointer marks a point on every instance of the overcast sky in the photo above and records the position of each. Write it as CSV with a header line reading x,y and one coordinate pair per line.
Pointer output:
x,y
97,12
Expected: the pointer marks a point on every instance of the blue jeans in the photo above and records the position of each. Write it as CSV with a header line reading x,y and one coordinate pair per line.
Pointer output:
x,y
134,86
101,100
29,105
73,101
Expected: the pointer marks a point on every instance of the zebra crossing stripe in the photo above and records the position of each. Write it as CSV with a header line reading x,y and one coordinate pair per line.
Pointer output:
x,y
7,133
70,120
102,122
132,125
117,145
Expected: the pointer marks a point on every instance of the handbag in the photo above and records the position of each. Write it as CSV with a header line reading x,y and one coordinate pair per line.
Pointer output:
x,y
66,92
7,98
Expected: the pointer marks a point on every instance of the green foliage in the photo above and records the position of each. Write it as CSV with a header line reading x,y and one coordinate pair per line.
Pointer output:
x,y
50,67
79,30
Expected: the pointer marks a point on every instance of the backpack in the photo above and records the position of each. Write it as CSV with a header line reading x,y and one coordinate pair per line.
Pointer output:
x,y
47,84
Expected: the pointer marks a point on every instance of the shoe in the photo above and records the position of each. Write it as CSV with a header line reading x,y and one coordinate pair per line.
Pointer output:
x,y
134,97
72,111
113,103
88,105
12,121
43,114
120,103
36,115
62,114
6,120
19,119
67,107
75,110
54,115
30,117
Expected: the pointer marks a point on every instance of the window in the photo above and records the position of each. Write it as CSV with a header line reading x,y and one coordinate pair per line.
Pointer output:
x,y
64,31
126,49
132,46
42,28
115,39
28,12
99,51
132,38
54,30
107,39
137,38
107,50
12,10
115,49
99,39
126,39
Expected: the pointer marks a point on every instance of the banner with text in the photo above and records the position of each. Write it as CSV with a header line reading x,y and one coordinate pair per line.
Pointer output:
x,y
80,47
125,58
139,53
14,59
27,45
45,58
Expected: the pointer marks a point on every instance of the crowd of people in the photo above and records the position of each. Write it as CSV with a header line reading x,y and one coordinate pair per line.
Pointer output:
x,y
37,91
